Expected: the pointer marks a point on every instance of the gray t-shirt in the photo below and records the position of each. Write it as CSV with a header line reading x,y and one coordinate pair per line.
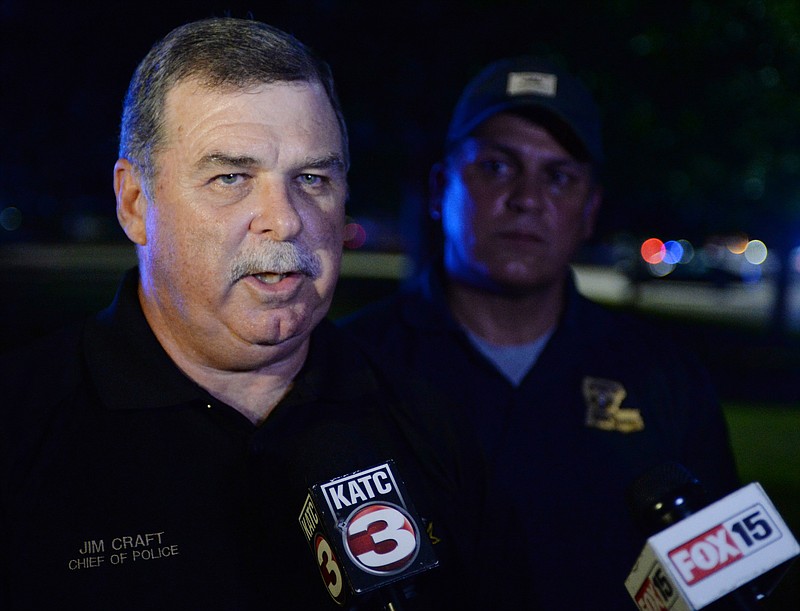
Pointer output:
x,y
513,362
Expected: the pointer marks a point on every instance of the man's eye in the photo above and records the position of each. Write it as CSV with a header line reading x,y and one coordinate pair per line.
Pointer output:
x,y
496,167
229,179
561,178
310,180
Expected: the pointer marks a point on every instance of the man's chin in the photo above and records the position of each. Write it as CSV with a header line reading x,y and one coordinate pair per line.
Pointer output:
x,y
279,327
524,284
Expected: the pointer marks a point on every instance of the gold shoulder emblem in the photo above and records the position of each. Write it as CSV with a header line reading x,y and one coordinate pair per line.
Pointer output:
x,y
603,400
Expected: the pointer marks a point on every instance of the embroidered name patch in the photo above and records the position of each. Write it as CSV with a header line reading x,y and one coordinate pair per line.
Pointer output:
x,y
125,549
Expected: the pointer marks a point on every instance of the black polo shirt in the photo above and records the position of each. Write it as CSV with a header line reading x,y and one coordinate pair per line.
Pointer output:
x,y
124,485
609,397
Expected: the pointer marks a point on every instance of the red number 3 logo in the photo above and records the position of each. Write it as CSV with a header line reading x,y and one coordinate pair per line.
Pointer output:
x,y
381,539
329,569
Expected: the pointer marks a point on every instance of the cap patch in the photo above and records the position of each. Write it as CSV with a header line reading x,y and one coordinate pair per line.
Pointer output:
x,y
532,83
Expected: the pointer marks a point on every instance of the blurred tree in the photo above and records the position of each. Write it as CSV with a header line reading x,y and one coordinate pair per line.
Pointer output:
x,y
703,113
707,103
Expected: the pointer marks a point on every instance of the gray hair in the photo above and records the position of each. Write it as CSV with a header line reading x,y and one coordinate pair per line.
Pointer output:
x,y
220,53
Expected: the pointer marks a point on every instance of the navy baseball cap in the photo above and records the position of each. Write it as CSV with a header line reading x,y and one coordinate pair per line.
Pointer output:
x,y
529,83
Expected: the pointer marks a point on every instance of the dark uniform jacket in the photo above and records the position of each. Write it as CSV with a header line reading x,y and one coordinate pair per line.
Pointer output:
x,y
608,398
124,485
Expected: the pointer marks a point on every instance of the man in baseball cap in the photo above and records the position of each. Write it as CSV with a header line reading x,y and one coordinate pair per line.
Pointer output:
x,y
569,401
527,83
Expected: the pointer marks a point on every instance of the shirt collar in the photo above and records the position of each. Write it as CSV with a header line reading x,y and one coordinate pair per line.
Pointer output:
x,y
433,311
127,364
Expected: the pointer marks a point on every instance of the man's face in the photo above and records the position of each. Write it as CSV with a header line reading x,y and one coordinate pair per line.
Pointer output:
x,y
241,173
515,206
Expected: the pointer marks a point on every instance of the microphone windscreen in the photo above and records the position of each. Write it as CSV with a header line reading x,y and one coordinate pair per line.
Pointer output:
x,y
664,495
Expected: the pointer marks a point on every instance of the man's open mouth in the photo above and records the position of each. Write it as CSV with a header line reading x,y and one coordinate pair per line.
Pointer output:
x,y
270,277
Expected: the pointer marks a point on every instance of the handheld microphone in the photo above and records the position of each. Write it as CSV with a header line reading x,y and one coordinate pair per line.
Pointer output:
x,y
733,551
366,536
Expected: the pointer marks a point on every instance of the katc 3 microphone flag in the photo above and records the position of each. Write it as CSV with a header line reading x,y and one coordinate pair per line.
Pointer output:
x,y
364,532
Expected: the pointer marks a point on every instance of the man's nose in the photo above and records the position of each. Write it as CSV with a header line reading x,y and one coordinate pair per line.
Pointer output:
x,y
275,212
526,194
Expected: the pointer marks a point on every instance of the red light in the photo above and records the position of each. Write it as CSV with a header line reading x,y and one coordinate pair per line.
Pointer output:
x,y
653,251
354,236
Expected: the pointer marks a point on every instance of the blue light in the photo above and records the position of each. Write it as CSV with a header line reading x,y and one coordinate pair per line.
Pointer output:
x,y
674,252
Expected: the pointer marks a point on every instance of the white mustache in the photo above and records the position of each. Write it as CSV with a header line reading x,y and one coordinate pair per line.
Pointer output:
x,y
277,258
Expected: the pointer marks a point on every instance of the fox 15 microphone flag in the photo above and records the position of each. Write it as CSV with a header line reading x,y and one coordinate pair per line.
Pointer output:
x,y
711,553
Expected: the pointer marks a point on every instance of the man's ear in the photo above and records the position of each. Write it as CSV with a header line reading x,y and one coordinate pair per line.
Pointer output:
x,y
437,180
590,210
131,201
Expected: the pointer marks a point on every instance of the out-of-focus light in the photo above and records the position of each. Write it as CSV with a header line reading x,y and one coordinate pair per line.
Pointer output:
x,y
737,244
688,251
794,258
10,218
354,236
660,269
653,251
756,252
714,253
750,273
673,252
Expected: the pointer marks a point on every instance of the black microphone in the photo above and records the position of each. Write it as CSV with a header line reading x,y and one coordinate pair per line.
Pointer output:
x,y
664,495
366,537
729,554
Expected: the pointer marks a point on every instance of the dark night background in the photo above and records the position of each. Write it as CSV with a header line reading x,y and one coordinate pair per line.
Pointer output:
x,y
700,100
701,104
